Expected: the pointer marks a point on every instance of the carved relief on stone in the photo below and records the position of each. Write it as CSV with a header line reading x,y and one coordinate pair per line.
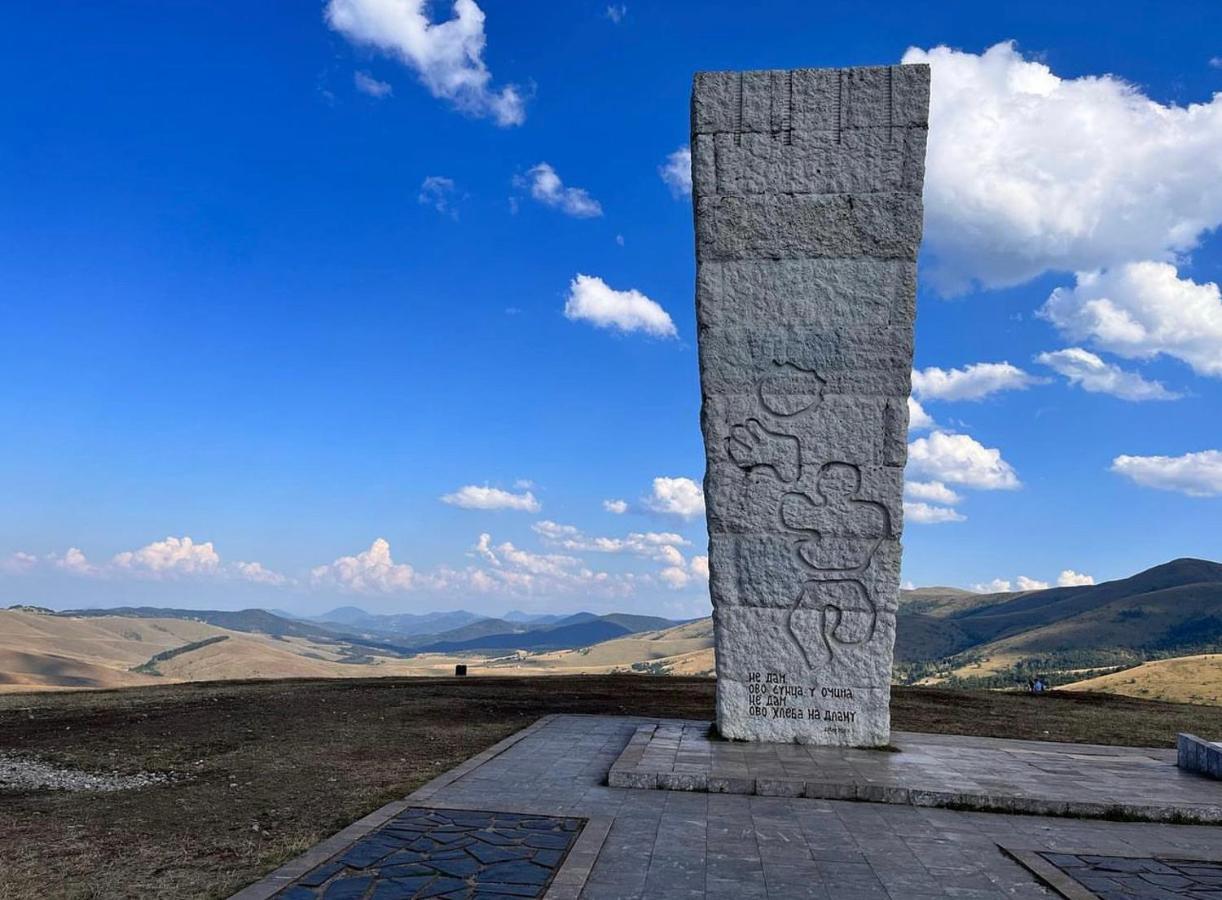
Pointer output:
x,y
836,532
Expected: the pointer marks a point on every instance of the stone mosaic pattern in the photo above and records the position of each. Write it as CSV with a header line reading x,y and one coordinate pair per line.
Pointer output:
x,y
930,770
1141,878
445,853
807,193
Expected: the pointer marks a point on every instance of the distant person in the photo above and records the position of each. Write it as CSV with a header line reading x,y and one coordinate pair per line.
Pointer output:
x,y
1038,686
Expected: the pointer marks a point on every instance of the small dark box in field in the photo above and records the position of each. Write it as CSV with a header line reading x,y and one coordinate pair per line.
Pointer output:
x,y
460,669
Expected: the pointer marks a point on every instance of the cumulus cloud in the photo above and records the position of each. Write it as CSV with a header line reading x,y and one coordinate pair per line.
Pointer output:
x,y
371,571
257,573
447,56
933,491
1195,474
680,497
679,574
616,12
18,563
367,84
1028,172
927,514
172,558
972,382
656,545
700,567
918,419
996,586
1070,578
677,172
960,459
437,191
169,559
1142,309
618,507
592,300
1092,374
473,496
1031,584
546,187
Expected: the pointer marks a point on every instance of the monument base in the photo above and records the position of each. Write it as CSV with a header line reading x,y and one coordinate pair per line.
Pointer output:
x,y
767,690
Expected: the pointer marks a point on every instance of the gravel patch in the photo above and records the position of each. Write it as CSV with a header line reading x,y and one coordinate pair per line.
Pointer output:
x,y
25,773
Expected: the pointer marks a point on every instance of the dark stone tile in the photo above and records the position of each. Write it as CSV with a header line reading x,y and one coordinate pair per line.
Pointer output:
x,y
545,841
440,886
486,853
320,875
348,888
297,893
514,872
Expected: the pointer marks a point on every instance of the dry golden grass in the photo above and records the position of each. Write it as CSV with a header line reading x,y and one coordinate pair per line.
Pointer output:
x,y
1188,679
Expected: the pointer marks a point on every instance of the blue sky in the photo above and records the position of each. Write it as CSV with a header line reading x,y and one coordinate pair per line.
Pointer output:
x,y
278,278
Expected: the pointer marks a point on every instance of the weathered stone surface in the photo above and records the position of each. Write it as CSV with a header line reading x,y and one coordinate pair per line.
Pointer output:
x,y
807,192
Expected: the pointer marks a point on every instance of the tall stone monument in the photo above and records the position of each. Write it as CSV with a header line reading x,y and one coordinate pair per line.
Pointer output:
x,y
807,193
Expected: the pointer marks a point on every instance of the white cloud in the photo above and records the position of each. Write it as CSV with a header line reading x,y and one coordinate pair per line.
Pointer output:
x,y
437,191
960,459
367,84
371,571
18,563
996,586
677,172
1031,584
1215,62
656,545
972,382
918,419
448,56
616,12
1142,309
546,187
927,514
257,573
1070,578
1088,371
618,507
1195,474
473,496
676,497
170,558
675,577
700,567
1028,172
933,491
75,562
591,300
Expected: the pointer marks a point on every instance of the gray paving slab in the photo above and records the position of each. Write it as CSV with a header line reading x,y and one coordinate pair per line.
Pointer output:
x,y
685,844
1034,777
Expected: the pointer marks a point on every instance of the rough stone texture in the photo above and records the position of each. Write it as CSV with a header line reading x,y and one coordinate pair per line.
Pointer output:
x,y
807,195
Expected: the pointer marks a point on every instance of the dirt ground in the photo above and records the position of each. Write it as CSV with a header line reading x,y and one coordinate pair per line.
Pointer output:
x,y
269,768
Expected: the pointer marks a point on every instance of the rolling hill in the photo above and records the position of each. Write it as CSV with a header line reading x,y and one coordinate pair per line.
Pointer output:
x,y
1186,679
1122,636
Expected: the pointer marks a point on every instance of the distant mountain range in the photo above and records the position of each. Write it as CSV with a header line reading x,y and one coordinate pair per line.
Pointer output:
x,y
945,635
406,634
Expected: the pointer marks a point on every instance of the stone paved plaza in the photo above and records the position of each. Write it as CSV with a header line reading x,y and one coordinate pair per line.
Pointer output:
x,y
928,770
677,844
